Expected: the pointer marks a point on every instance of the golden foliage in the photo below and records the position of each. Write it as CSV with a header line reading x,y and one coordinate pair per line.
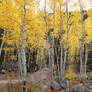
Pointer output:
x,y
70,73
11,15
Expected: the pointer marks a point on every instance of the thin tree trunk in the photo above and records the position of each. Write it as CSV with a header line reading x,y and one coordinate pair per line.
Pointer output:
x,y
12,61
19,63
61,58
23,50
4,62
49,55
48,49
86,53
1,47
66,48
82,41
81,65
53,40
86,59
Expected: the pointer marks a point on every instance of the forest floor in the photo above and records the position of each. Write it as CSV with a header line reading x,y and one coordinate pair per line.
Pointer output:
x,y
8,77
3,83
12,77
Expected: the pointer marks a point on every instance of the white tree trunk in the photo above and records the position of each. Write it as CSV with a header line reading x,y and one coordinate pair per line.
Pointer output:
x,y
61,58
82,71
81,64
66,48
86,59
19,63
23,49
47,29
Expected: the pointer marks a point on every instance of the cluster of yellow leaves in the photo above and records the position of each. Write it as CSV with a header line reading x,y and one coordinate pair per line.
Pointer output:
x,y
70,73
88,26
74,26
13,57
11,17
8,49
75,29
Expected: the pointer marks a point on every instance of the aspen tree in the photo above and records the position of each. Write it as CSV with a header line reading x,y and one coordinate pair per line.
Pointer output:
x,y
66,48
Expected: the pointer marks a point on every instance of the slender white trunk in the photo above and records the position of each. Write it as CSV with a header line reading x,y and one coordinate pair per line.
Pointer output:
x,y
66,48
81,65
23,49
86,52
82,41
19,63
45,10
61,58
48,48
86,58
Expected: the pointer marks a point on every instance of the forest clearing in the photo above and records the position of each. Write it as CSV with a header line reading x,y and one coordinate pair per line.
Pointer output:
x,y
45,45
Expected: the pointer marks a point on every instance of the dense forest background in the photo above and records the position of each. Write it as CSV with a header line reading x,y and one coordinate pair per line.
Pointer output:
x,y
33,38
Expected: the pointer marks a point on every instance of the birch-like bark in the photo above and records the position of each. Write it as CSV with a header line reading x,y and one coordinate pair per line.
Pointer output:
x,y
66,48
86,59
48,49
61,58
19,63
86,51
82,41
23,49
81,65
